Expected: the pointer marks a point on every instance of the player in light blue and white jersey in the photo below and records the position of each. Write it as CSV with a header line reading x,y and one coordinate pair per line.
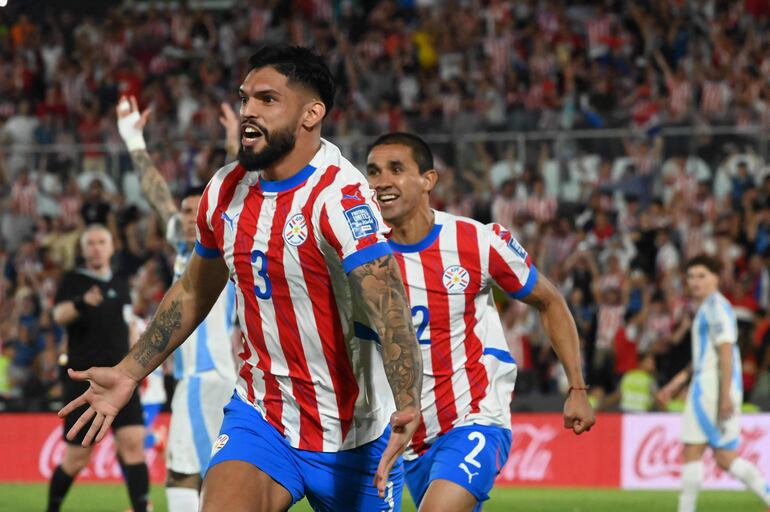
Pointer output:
x,y
712,410
203,366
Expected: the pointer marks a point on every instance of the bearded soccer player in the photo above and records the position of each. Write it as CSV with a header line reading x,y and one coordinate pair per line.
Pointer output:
x,y
321,305
448,264
712,409
203,365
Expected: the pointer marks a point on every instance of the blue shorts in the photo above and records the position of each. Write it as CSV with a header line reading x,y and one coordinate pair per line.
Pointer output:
x,y
470,456
332,481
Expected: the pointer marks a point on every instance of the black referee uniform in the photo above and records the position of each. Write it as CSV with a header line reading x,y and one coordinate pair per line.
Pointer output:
x,y
98,337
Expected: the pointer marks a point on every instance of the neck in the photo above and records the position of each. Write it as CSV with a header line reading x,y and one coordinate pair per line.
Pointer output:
x,y
413,228
303,152
102,270
701,300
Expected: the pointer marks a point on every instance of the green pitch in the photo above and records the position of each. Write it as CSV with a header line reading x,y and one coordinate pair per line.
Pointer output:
x,y
113,498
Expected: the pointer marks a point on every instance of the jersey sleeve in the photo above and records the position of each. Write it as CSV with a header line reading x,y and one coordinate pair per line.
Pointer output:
x,y
351,222
205,241
509,264
723,326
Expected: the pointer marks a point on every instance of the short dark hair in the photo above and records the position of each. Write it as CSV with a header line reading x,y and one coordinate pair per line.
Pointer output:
x,y
421,152
712,264
300,65
193,190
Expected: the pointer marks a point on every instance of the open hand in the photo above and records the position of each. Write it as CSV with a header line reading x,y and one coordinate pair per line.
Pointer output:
x,y
128,107
403,424
131,123
109,392
232,125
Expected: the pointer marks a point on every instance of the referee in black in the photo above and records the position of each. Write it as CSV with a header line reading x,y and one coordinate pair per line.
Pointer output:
x,y
93,305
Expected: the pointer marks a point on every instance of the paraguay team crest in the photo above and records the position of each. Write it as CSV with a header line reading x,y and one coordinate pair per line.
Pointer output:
x,y
295,230
456,279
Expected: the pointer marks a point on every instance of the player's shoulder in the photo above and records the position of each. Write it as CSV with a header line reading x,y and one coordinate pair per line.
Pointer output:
x,y
227,176
453,221
340,173
718,304
224,171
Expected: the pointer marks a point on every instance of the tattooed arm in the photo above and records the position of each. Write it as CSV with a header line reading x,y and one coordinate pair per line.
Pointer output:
x,y
155,189
185,305
154,186
378,285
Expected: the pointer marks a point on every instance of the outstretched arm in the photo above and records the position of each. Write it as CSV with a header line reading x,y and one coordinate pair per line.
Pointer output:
x,y
185,305
561,329
378,285
154,186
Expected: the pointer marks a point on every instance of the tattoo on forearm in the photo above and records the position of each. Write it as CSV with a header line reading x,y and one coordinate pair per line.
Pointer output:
x,y
156,338
379,285
153,185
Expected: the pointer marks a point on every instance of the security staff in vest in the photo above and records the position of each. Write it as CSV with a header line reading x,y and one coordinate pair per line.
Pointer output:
x,y
94,306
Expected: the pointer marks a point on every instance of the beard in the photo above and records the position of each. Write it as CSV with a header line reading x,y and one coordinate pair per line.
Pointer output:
x,y
278,144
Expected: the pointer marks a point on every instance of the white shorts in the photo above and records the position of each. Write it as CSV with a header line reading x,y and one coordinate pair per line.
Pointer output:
x,y
196,415
701,424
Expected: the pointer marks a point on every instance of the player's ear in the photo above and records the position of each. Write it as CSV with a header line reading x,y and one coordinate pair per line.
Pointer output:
x,y
313,115
430,178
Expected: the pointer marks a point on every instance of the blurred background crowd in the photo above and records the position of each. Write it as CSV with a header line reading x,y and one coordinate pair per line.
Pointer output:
x,y
615,139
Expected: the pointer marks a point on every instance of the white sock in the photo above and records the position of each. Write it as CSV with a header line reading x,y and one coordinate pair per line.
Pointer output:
x,y
749,474
182,499
692,476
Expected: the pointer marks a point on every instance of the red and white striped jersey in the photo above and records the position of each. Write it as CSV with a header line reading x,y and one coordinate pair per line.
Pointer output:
x,y
311,364
468,372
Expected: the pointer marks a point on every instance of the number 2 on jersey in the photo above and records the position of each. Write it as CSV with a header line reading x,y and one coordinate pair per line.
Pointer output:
x,y
425,314
259,259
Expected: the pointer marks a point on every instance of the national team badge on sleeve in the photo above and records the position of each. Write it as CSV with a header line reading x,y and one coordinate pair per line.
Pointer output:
x,y
361,221
295,230
456,279
220,443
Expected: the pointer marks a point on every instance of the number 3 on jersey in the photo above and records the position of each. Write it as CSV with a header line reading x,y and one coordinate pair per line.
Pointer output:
x,y
259,259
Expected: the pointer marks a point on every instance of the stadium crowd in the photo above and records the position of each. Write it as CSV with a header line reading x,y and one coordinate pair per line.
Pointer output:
x,y
611,222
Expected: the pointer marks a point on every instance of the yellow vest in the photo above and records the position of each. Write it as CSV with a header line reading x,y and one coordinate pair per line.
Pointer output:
x,y
636,391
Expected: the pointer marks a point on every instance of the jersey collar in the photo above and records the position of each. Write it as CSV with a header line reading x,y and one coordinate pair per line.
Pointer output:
x,y
105,278
288,183
419,246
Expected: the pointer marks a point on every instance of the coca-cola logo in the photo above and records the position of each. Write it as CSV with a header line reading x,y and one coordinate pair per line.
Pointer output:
x,y
529,459
659,453
103,463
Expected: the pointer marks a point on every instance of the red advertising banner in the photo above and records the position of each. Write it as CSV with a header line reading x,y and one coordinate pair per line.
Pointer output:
x,y
31,446
544,453
652,451
629,451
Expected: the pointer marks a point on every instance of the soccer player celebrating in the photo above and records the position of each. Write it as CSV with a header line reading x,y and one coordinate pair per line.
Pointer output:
x,y
203,366
712,410
322,309
448,264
